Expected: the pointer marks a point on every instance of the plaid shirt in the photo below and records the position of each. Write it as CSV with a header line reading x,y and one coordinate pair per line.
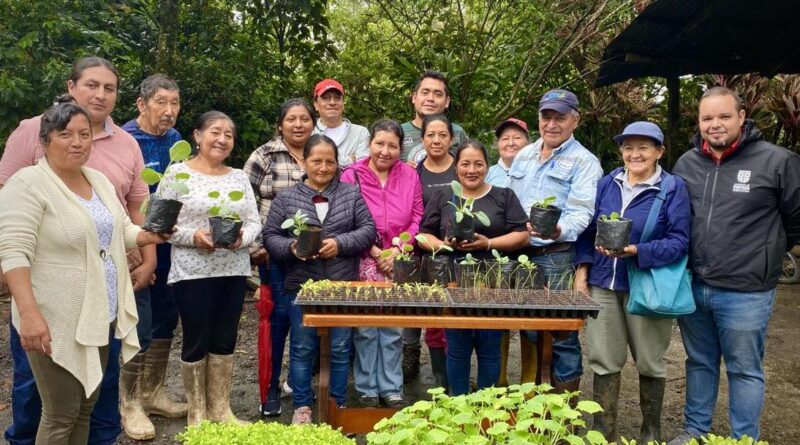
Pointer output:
x,y
271,170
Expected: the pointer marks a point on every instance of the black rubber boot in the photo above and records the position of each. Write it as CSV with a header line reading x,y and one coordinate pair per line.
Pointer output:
x,y
439,367
651,399
606,392
410,363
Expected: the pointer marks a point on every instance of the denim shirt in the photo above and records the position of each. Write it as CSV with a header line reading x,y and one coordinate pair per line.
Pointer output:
x,y
498,174
570,174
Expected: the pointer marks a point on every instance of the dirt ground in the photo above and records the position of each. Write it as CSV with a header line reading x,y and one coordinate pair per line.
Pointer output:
x,y
779,424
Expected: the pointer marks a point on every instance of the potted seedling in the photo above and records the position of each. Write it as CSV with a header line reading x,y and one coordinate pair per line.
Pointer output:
x,y
405,268
309,237
613,232
500,271
160,214
527,275
468,273
464,226
225,223
435,269
544,216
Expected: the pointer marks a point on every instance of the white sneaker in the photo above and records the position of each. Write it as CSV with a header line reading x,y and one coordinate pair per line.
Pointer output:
x,y
287,390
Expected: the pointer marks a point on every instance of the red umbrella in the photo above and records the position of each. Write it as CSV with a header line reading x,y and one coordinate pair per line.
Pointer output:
x,y
264,306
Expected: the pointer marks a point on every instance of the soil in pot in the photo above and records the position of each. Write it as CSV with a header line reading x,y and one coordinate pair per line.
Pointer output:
x,y
309,241
224,231
437,270
500,276
468,275
544,219
406,271
613,235
464,230
528,279
161,214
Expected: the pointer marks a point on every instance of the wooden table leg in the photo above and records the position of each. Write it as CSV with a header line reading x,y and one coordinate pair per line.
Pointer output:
x,y
324,373
544,350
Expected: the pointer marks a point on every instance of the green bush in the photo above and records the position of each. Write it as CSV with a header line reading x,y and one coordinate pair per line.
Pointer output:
x,y
261,433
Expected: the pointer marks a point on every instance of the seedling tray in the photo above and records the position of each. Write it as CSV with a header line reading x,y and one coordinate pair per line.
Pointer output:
x,y
532,303
338,301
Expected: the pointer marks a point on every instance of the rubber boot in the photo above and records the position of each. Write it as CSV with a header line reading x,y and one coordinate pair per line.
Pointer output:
x,y
194,384
528,359
439,367
154,397
134,420
651,399
410,363
571,386
505,344
219,377
605,391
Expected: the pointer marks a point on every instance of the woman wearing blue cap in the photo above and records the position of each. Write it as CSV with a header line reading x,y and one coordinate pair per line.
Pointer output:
x,y
631,191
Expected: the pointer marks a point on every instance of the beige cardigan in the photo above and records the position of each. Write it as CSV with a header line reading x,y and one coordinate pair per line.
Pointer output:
x,y
43,226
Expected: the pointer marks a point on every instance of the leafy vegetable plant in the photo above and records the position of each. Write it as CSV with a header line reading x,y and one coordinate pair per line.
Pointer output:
x,y
223,206
464,206
468,260
273,433
401,242
297,222
614,216
545,203
423,239
179,152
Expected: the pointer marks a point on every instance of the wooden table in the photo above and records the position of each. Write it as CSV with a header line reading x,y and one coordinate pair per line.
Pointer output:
x,y
362,420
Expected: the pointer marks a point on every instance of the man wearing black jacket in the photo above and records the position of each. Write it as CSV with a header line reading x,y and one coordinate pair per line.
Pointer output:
x,y
745,195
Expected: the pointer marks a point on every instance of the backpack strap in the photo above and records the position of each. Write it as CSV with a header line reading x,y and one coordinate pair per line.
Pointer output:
x,y
655,210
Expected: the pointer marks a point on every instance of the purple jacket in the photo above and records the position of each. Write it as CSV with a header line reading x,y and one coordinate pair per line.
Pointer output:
x,y
397,207
668,244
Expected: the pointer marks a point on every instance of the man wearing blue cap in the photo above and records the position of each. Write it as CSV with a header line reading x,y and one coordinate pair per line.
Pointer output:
x,y
745,195
557,165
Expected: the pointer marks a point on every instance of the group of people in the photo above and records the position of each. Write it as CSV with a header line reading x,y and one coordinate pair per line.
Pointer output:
x,y
90,354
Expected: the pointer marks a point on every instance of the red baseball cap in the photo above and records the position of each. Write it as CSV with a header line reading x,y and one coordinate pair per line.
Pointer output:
x,y
327,84
510,121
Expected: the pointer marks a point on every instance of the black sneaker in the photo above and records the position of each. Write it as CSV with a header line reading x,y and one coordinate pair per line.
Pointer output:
x,y
394,401
272,407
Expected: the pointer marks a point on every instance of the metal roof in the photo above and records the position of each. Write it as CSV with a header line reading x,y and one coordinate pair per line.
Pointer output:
x,y
677,37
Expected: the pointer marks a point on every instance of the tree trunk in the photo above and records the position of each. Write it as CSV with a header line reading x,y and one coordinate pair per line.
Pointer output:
x,y
167,18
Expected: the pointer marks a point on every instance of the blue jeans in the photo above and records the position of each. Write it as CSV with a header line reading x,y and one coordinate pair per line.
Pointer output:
x,y
730,325
460,343
303,347
280,321
144,327
378,367
26,406
163,308
558,272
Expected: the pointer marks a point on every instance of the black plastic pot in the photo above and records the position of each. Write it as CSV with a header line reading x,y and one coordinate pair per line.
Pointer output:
x,y
544,219
613,235
468,275
406,271
437,270
224,231
309,241
161,214
500,276
464,230
525,278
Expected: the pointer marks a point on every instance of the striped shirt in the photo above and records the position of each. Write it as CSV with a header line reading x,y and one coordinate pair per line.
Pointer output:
x,y
270,170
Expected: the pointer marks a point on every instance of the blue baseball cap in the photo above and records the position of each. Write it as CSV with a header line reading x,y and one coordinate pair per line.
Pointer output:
x,y
562,101
641,128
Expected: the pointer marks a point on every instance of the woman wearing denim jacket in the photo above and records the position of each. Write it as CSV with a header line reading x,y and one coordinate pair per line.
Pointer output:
x,y
631,191
348,231
393,193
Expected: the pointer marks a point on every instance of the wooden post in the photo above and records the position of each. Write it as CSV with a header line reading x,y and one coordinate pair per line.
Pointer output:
x,y
674,145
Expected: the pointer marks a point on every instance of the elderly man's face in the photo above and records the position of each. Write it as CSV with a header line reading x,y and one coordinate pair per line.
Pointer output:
x,y
720,124
555,128
159,113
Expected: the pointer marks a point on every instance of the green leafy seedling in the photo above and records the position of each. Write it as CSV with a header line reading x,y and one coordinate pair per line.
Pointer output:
x,y
179,152
402,242
297,223
223,207
613,217
468,260
546,202
423,240
464,206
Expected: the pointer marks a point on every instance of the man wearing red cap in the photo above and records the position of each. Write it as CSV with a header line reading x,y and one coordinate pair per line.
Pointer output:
x,y
351,140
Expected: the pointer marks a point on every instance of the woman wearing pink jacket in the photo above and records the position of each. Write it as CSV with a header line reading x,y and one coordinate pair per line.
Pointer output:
x,y
393,193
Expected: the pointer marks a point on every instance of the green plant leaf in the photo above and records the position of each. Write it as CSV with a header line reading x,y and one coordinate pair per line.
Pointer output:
x,y
595,437
213,194
457,189
180,188
236,195
150,176
483,218
405,237
589,406
574,440
143,206
287,223
498,428
437,436
459,217
180,151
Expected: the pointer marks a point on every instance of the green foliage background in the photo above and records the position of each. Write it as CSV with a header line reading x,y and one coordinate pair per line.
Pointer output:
x,y
246,57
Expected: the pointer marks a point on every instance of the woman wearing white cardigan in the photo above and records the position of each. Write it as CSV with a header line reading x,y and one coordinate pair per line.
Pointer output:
x,y
63,237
